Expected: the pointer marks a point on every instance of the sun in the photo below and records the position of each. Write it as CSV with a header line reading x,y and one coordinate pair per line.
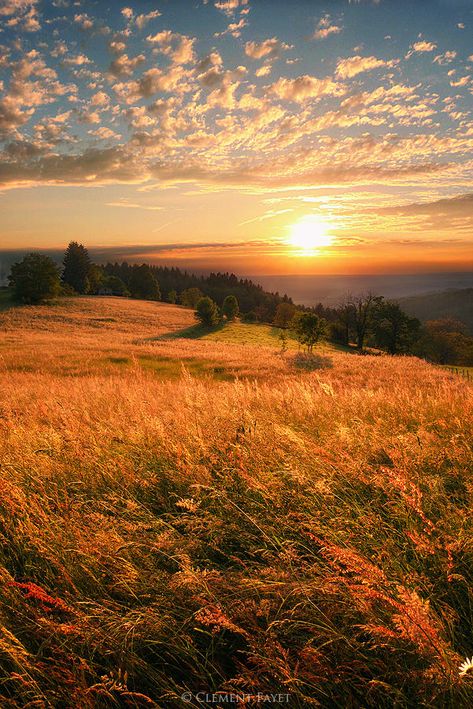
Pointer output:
x,y
310,234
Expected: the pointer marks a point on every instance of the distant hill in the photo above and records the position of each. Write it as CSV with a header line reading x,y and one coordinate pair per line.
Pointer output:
x,y
455,303
330,289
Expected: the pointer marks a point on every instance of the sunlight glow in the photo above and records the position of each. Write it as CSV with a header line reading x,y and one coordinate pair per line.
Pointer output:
x,y
310,234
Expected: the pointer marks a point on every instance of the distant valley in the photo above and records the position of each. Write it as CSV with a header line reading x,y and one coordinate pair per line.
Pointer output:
x,y
329,290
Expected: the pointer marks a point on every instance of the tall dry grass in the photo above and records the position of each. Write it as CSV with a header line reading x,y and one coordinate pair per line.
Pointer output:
x,y
294,531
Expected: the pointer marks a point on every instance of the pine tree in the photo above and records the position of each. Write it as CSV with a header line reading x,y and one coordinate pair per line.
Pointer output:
x,y
77,266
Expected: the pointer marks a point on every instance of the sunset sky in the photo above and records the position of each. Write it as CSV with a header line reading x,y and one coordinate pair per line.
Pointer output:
x,y
253,135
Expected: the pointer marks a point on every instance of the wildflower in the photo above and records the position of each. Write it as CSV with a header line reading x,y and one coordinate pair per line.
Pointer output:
x,y
466,667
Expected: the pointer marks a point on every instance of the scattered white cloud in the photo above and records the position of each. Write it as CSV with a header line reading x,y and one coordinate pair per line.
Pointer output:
x,y
229,7
325,28
445,58
267,49
352,66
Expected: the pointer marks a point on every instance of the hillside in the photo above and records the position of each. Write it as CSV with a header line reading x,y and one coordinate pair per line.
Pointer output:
x,y
456,304
191,512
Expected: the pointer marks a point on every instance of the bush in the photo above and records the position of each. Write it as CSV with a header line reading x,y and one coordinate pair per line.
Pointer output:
x,y
230,307
207,312
249,317
35,279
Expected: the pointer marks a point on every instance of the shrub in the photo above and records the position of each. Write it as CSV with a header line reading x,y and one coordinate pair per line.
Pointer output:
x,y
207,312
230,307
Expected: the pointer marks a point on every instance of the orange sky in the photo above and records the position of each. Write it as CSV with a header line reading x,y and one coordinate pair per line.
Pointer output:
x,y
204,134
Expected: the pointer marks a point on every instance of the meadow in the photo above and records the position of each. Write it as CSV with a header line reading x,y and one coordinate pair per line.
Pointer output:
x,y
184,512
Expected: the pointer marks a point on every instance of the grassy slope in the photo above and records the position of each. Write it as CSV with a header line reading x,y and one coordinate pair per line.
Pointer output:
x,y
294,530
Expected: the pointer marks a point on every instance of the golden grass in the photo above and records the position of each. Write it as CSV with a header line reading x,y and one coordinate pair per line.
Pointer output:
x,y
302,528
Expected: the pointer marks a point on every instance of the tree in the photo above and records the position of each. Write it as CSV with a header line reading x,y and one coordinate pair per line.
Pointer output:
x,y
393,329
309,328
143,283
361,309
190,297
207,312
446,342
96,278
230,308
284,314
35,278
172,297
344,323
116,285
77,266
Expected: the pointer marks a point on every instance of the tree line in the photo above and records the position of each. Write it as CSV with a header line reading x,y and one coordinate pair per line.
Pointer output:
x,y
369,321
37,278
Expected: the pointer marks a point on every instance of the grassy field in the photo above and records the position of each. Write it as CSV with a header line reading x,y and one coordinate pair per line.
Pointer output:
x,y
183,512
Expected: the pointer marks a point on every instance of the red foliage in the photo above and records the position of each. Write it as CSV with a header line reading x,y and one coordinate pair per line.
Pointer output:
x,y
35,593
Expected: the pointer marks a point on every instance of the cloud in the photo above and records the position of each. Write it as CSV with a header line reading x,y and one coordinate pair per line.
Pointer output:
x,y
178,47
264,70
84,21
305,87
462,81
421,47
325,28
142,20
124,66
104,133
22,14
234,29
459,205
100,99
352,66
124,204
267,49
127,13
445,58
12,7
104,165
451,213
78,60
117,46
11,114
229,7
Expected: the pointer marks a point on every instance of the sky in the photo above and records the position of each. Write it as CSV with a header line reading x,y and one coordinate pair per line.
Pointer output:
x,y
258,136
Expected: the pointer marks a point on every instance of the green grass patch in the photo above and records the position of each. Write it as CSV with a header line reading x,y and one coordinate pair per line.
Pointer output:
x,y
248,334
234,333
